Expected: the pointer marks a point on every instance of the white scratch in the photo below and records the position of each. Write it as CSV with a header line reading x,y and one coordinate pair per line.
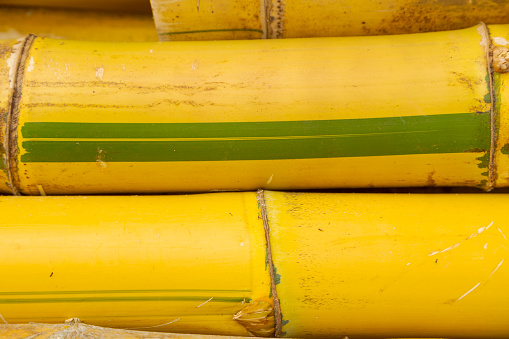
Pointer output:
x,y
500,41
41,190
205,302
486,246
99,73
194,65
473,288
31,64
408,264
502,233
270,179
479,231
1,317
171,322
496,268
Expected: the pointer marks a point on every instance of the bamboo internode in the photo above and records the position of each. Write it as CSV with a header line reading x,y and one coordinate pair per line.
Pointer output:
x,y
407,110
17,22
243,19
335,264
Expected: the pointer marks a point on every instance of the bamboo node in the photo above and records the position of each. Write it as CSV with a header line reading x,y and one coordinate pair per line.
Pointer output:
x,y
258,317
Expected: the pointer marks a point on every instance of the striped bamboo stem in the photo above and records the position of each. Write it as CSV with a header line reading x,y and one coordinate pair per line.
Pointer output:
x,y
408,110
17,22
289,264
241,19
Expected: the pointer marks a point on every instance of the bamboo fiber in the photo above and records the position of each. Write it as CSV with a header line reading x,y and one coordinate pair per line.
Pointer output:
x,y
338,264
79,330
407,110
242,19
17,22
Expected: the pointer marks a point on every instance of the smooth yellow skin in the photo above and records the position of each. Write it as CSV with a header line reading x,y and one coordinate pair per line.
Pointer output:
x,y
206,246
17,22
303,18
232,81
391,265
499,36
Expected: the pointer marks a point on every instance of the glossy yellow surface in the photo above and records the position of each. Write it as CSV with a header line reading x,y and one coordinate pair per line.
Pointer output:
x,y
16,22
249,19
253,81
391,265
500,36
169,263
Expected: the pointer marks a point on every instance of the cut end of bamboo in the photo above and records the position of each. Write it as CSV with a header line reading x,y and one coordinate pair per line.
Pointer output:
x,y
258,317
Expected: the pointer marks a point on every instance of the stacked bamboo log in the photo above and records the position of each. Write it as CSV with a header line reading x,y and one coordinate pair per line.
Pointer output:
x,y
118,112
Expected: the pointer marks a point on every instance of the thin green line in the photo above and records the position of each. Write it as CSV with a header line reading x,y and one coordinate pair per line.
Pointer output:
x,y
120,299
215,30
447,133
122,291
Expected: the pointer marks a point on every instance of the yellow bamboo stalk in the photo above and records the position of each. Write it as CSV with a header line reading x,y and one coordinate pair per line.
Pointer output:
x,y
241,19
339,264
17,22
137,6
91,117
184,264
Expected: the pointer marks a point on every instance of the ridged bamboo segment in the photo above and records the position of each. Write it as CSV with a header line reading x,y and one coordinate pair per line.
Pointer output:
x,y
137,6
10,52
17,22
500,47
281,114
78,330
183,264
209,20
391,265
245,19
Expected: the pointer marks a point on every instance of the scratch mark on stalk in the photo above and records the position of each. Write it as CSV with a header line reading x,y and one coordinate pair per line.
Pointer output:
x,y
205,302
496,268
473,235
502,233
473,288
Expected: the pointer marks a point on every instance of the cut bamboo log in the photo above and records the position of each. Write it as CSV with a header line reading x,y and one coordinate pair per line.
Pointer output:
x,y
17,22
387,111
247,19
289,264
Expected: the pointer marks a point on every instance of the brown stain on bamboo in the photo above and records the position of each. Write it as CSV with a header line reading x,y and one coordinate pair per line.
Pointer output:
x,y
422,16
